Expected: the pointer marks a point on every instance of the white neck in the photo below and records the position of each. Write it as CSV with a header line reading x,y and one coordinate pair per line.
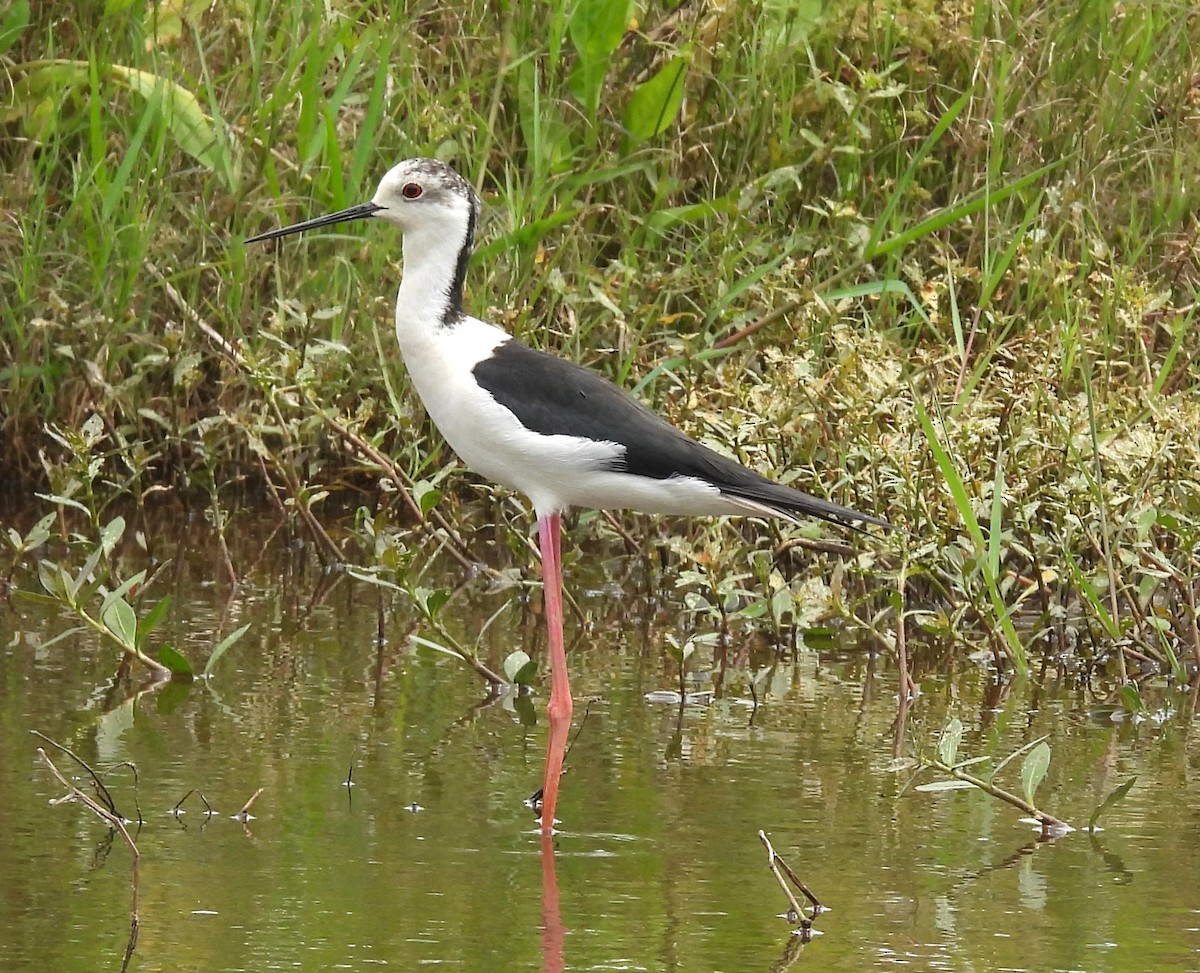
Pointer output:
x,y
430,297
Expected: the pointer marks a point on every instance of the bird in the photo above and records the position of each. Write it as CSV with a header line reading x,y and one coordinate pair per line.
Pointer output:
x,y
546,427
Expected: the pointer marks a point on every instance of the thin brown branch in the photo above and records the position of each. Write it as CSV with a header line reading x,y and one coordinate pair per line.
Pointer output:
x,y
1048,822
250,803
114,821
99,784
773,860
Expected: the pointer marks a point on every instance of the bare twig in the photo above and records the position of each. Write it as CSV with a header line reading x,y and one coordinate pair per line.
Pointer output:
x,y
114,821
774,862
241,815
105,796
769,318
1050,824
178,808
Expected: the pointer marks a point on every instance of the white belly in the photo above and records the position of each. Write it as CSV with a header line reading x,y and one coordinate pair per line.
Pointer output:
x,y
555,472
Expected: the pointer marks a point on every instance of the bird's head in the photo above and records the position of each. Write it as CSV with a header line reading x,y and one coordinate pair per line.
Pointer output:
x,y
415,194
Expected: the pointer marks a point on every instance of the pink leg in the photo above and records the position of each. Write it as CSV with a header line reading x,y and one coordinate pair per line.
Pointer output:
x,y
559,710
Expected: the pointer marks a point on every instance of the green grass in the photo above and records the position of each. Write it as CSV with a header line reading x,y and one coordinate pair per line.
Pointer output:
x,y
979,222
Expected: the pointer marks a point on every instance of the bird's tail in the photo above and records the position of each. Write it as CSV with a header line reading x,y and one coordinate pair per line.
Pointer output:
x,y
775,500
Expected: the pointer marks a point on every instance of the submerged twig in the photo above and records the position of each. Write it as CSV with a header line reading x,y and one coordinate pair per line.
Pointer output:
x,y
114,821
109,803
1050,824
245,811
795,911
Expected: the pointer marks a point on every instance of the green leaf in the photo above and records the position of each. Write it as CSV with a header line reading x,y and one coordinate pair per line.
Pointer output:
x,y
152,618
951,738
426,495
1113,798
1131,698
1033,769
192,128
64,502
36,597
111,533
63,635
944,785
873,287
86,573
596,29
119,618
1016,753
952,214
51,577
436,646
431,601
519,669
906,178
656,102
222,646
13,24
40,532
178,665
122,590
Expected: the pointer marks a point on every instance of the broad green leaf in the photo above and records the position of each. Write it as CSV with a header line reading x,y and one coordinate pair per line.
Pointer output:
x,y
951,738
426,495
53,580
193,129
656,102
40,532
178,665
1113,798
222,646
596,29
119,618
1033,769
152,618
13,24
122,590
519,669
431,601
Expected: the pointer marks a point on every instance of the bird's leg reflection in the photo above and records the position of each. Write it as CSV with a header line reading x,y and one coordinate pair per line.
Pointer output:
x,y
553,931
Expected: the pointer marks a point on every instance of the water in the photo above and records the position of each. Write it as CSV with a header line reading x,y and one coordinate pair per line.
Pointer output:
x,y
659,866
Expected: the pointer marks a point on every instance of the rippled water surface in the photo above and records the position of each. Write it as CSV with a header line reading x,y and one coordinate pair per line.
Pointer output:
x,y
430,857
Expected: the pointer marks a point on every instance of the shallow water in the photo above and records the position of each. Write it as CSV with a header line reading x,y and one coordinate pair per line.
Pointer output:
x,y
658,866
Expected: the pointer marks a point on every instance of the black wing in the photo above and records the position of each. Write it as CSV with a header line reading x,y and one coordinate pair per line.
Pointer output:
x,y
553,396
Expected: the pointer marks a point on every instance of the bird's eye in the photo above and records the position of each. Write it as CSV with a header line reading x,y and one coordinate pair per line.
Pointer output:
x,y
411,190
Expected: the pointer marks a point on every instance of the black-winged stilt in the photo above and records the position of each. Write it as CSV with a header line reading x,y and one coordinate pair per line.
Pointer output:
x,y
560,434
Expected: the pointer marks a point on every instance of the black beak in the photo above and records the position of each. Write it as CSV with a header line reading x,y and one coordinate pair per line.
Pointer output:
x,y
359,212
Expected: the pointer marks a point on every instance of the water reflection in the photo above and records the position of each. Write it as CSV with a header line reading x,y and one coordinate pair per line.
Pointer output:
x,y
658,866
